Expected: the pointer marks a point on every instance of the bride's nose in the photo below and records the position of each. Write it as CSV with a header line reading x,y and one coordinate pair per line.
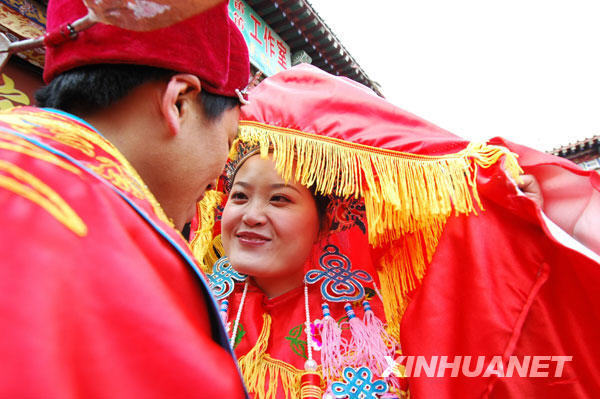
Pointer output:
x,y
254,214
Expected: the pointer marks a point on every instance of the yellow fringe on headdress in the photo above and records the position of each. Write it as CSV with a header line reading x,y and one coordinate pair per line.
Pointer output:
x,y
215,251
403,192
408,197
402,268
203,239
262,373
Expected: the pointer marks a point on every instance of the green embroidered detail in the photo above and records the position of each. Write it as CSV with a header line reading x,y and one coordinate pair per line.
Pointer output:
x,y
297,345
238,337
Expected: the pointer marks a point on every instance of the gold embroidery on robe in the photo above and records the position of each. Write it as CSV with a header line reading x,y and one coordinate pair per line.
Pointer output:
x,y
30,187
17,144
62,129
112,172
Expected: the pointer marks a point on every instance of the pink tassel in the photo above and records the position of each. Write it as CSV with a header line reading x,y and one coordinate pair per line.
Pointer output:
x,y
359,345
381,344
331,347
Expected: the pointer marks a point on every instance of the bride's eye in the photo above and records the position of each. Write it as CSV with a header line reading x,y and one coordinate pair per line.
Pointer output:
x,y
280,199
238,196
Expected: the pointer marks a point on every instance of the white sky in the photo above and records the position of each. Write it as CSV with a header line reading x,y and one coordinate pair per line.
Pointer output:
x,y
526,70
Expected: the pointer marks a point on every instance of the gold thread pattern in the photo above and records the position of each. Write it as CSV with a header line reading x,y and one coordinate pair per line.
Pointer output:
x,y
113,172
14,143
30,187
64,130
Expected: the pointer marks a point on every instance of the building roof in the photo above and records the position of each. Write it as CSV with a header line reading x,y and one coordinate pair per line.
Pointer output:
x,y
576,147
297,22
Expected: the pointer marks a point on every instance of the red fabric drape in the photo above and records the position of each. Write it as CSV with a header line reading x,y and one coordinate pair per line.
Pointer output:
x,y
501,284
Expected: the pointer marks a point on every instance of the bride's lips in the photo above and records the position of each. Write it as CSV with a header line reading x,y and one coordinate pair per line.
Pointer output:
x,y
251,238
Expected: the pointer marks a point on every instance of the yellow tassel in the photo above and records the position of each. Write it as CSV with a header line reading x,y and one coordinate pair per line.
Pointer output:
x,y
403,192
487,155
215,252
262,373
203,239
408,197
402,268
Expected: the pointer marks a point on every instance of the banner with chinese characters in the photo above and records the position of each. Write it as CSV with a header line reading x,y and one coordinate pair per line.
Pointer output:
x,y
268,52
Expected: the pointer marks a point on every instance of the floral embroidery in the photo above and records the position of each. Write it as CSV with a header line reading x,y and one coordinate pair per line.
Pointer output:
x,y
240,334
298,345
315,333
347,213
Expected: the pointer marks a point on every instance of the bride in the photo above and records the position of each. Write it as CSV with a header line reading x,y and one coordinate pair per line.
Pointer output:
x,y
349,233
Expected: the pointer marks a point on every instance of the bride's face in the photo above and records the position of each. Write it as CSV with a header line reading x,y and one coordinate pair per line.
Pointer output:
x,y
269,227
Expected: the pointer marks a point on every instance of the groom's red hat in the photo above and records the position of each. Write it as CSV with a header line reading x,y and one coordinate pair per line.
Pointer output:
x,y
208,45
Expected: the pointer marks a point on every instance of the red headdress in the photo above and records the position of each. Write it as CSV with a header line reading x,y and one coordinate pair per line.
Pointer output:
x,y
208,45
349,142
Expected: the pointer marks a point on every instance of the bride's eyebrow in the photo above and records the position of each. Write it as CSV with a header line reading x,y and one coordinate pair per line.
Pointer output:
x,y
281,185
241,183
245,184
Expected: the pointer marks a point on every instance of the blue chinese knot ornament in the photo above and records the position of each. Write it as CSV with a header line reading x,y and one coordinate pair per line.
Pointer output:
x,y
340,283
358,384
223,277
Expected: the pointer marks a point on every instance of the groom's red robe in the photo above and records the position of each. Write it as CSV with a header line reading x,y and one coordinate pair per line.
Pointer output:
x,y
99,297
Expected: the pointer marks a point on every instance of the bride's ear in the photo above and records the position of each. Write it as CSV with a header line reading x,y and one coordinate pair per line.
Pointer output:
x,y
324,227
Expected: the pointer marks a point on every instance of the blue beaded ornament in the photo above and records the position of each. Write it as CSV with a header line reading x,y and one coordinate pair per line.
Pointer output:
x,y
358,384
340,283
223,277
